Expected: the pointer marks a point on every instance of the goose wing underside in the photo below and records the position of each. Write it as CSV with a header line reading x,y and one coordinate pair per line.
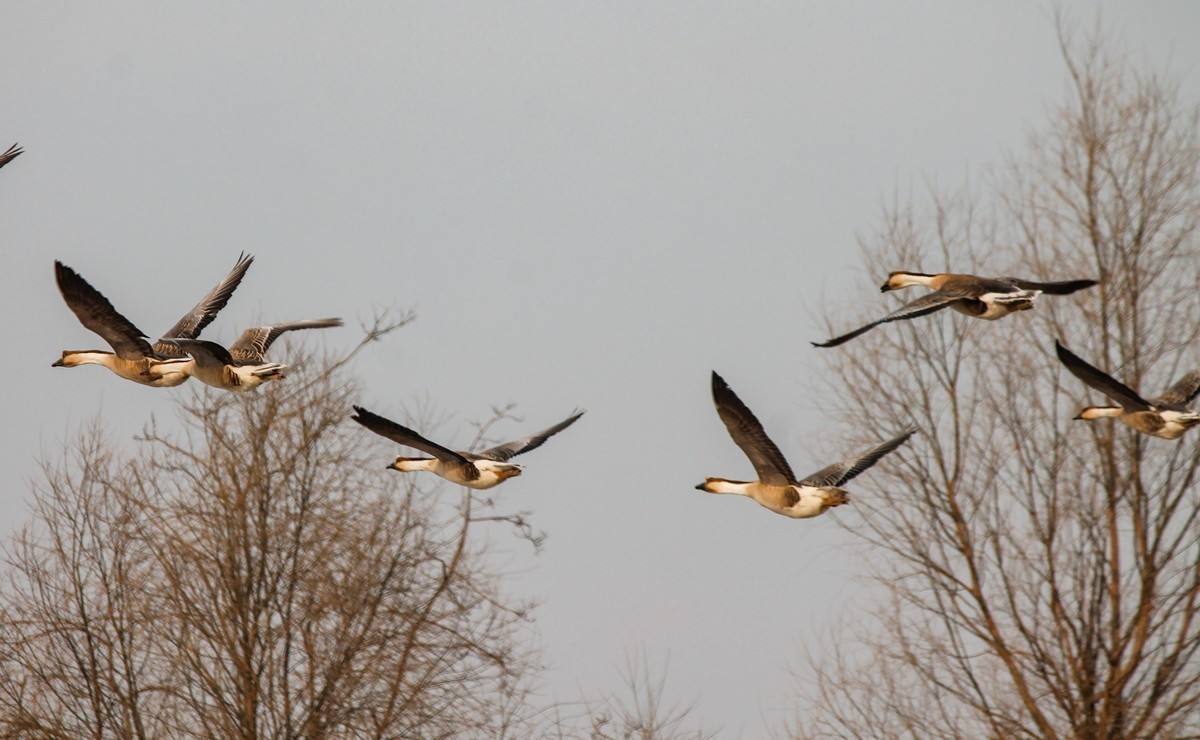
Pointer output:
x,y
509,450
1184,390
252,345
202,314
842,471
748,434
1101,381
407,437
96,313
926,304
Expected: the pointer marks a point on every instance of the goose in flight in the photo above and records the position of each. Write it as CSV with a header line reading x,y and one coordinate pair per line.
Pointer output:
x,y
777,487
13,152
1167,416
980,297
243,366
477,470
160,366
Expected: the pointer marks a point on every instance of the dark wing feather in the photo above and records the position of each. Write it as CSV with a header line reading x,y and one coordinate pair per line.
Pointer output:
x,y
13,152
252,345
973,286
747,432
204,352
1106,384
97,314
405,436
926,304
1182,393
840,472
202,314
1063,287
509,450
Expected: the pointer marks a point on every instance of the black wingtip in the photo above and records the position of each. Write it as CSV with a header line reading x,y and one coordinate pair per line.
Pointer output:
x,y
65,276
1075,285
1063,353
1065,287
13,152
838,340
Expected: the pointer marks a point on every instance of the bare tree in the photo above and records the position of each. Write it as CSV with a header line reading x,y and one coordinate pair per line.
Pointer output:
x,y
254,572
1042,574
639,711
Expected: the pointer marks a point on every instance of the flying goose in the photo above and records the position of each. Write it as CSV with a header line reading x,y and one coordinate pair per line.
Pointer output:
x,y
983,298
162,365
243,366
477,470
13,152
777,487
1167,416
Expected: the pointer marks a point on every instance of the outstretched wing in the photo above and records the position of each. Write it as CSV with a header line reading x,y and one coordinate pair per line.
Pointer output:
x,y
96,313
1184,390
252,345
407,437
194,321
1103,382
926,304
840,472
13,152
1063,287
508,450
204,352
747,432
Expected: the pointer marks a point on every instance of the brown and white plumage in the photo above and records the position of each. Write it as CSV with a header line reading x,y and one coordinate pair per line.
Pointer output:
x,y
478,470
243,366
1167,416
777,488
979,297
133,358
13,152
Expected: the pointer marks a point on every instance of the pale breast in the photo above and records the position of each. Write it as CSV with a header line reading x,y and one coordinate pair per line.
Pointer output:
x,y
775,498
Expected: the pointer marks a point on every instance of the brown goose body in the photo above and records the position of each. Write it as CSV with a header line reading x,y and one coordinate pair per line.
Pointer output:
x,y
979,297
777,488
1166,417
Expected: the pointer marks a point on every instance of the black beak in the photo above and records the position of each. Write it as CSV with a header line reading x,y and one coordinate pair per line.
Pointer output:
x,y
884,288
701,486
57,363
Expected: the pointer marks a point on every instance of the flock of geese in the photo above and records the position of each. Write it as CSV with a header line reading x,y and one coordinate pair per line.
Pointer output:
x,y
243,366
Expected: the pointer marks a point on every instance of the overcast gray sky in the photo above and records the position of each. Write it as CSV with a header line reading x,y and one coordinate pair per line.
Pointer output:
x,y
590,204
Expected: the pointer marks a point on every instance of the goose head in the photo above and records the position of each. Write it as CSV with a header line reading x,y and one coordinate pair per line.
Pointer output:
x,y
901,279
